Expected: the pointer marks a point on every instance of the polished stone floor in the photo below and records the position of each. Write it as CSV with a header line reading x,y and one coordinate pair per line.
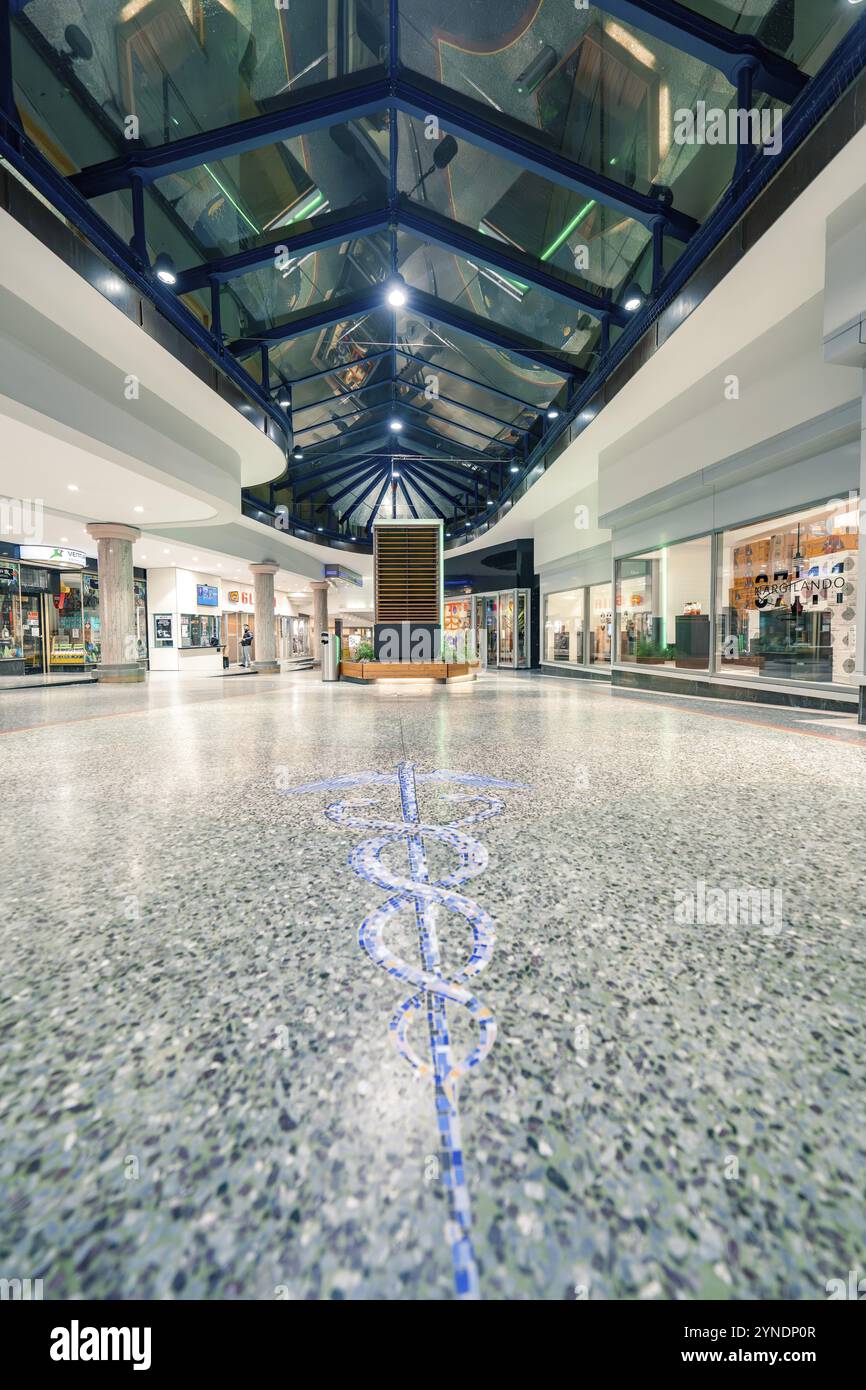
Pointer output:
x,y
200,1090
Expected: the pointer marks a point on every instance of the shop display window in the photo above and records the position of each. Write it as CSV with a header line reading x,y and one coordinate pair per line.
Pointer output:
x,y
198,629
139,588
600,623
787,596
11,647
663,606
90,614
563,626
66,648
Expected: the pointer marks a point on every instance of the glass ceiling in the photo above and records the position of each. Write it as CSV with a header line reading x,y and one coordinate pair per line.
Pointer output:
x,y
515,164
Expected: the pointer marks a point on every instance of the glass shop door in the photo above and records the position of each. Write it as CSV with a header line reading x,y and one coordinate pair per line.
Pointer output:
x,y
506,628
491,628
33,626
522,630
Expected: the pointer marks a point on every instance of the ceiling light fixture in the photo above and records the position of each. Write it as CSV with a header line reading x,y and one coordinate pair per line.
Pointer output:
x,y
297,454
395,425
552,413
165,269
396,292
73,487
634,298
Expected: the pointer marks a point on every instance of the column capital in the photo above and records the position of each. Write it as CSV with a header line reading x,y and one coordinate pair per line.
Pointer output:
x,y
112,531
319,584
265,567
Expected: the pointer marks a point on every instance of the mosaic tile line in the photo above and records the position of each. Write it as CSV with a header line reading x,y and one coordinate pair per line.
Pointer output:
x,y
431,986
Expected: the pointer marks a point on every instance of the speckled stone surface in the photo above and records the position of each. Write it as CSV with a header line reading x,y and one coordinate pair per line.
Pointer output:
x,y
199,1096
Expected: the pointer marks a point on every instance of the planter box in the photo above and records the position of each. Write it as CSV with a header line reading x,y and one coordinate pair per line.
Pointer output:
x,y
651,660
353,669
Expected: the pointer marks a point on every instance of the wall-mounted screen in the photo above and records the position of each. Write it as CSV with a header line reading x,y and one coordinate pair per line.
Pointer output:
x,y
207,596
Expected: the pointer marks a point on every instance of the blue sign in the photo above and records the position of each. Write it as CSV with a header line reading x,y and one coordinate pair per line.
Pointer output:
x,y
207,596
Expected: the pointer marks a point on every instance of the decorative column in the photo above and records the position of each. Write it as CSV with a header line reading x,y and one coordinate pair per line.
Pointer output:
x,y
119,647
320,617
266,641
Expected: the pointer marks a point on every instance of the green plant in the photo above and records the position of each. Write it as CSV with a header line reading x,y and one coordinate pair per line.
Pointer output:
x,y
365,652
651,651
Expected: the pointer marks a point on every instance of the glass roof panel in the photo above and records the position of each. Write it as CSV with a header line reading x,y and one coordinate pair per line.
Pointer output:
x,y
493,196
344,346
254,198
184,66
270,294
451,348
603,93
806,31
499,297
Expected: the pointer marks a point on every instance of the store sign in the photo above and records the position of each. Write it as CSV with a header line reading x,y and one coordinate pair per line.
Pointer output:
x,y
796,588
343,575
54,555
207,596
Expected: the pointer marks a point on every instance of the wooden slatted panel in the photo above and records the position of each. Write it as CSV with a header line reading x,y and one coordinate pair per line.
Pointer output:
x,y
407,574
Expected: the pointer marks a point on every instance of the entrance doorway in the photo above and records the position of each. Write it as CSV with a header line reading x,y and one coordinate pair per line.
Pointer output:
x,y
233,631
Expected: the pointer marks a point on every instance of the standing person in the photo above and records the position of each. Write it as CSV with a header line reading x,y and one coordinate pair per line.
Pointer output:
x,y
246,643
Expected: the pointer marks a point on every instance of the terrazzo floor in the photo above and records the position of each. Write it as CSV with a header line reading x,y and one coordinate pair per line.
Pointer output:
x,y
200,1095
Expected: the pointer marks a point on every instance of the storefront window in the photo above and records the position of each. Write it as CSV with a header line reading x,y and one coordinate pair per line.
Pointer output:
x,y
600,623
90,614
563,626
788,596
663,606
10,614
66,625
139,587
198,629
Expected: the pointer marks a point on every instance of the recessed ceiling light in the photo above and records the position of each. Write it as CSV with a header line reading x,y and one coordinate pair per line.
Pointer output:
x,y
195,557
514,468
395,425
166,552
138,509
553,413
73,487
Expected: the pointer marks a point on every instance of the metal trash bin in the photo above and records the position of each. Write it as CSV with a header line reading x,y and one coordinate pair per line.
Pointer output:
x,y
330,657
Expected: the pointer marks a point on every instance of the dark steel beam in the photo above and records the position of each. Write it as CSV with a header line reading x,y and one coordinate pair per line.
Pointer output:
x,y
365,494
711,43
472,381
454,498
362,477
378,502
327,477
508,138
440,231
495,336
409,503
318,108
461,405
315,236
437,511
452,424
308,320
